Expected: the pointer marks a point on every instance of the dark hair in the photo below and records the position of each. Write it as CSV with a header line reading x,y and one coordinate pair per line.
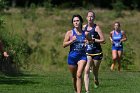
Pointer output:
x,y
91,12
77,15
117,23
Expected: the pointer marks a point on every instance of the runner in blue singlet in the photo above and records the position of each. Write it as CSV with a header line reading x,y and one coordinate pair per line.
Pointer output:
x,y
77,59
77,49
94,37
117,36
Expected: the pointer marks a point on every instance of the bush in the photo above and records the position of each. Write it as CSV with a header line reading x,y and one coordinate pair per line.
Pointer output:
x,y
3,4
118,7
15,45
127,57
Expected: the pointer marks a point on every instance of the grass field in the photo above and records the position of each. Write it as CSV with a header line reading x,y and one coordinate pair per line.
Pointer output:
x,y
44,31
60,82
49,61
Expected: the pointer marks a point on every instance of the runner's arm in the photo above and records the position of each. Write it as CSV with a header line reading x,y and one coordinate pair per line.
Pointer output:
x,y
102,39
67,41
124,38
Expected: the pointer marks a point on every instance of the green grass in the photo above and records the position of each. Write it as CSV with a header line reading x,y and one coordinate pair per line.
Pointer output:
x,y
60,82
50,56
52,25
114,82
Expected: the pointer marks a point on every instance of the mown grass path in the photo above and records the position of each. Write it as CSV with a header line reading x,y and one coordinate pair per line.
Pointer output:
x,y
60,82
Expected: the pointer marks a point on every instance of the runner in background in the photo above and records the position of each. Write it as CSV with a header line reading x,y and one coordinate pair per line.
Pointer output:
x,y
117,37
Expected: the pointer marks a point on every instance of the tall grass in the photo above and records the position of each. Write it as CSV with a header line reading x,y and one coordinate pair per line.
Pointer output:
x,y
44,31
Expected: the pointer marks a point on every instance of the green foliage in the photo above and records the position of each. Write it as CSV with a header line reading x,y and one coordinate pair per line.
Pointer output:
x,y
30,13
54,55
37,37
47,4
2,23
107,56
118,7
3,4
128,56
15,45
45,33
68,5
37,49
134,4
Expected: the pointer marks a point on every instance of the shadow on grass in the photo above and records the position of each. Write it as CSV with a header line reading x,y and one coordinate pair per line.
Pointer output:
x,y
21,79
8,66
10,74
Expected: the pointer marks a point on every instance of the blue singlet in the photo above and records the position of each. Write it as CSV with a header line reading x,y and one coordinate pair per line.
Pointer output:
x,y
117,45
77,49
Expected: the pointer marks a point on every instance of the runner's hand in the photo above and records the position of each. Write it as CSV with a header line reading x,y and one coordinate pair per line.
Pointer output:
x,y
74,38
5,54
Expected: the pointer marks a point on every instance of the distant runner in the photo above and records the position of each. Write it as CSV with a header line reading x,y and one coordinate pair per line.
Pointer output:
x,y
117,37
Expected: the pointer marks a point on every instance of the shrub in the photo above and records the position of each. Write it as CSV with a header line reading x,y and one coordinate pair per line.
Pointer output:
x,y
14,44
3,5
127,57
118,7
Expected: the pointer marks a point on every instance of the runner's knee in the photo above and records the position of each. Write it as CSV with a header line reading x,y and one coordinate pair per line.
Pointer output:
x,y
79,75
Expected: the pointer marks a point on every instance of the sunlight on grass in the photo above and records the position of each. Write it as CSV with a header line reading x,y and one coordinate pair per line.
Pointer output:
x,y
60,82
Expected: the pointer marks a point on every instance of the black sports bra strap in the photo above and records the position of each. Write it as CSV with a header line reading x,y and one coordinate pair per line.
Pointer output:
x,y
94,26
86,28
